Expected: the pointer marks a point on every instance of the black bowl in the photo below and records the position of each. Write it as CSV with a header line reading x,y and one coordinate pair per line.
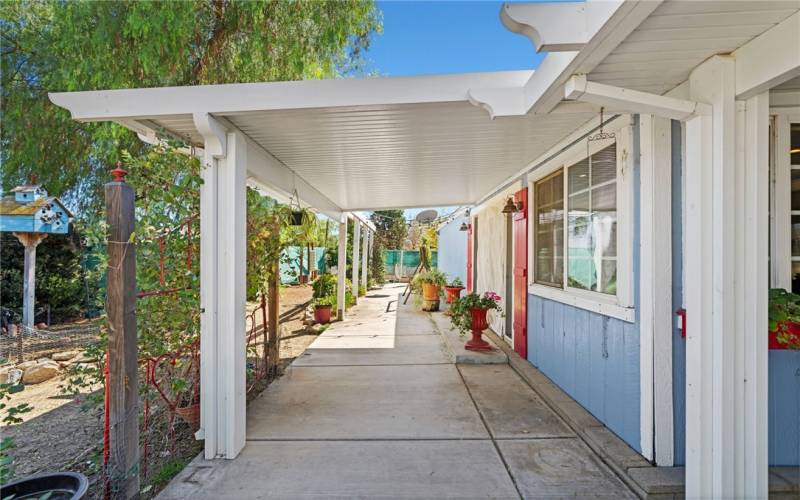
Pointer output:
x,y
60,485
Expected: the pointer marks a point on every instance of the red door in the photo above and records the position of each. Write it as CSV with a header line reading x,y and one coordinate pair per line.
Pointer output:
x,y
469,257
521,275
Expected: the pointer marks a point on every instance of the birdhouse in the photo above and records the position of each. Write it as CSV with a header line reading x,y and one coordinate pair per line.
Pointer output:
x,y
30,210
31,215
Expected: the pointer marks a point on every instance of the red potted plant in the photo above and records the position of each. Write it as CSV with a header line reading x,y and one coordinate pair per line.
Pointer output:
x,y
322,309
468,313
784,319
454,290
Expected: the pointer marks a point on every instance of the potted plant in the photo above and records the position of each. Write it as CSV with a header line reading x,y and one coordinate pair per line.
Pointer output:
x,y
322,309
429,285
784,319
454,290
468,313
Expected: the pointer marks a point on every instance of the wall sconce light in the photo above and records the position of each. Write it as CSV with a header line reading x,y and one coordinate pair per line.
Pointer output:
x,y
464,227
512,206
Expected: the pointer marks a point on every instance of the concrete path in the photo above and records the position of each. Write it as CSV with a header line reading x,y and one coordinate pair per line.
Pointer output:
x,y
376,409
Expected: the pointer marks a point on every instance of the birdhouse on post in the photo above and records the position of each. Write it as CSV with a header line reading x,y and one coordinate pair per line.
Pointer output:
x,y
31,215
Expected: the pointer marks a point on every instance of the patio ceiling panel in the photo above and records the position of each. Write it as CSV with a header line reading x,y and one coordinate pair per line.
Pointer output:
x,y
659,54
407,155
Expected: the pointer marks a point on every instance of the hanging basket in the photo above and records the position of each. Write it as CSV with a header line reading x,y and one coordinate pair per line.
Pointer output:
x,y
296,218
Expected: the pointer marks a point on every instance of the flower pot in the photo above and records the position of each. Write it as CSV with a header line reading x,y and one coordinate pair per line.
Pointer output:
x,y
430,292
322,314
189,414
303,279
453,293
61,485
792,329
296,218
479,324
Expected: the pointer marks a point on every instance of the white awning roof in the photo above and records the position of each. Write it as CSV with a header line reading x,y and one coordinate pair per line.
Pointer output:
x,y
429,141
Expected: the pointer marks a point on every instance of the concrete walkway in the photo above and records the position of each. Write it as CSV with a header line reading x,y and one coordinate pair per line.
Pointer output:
x,y
377,409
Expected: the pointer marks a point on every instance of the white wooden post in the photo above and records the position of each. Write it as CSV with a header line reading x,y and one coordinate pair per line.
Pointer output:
x,y
341,268
231,281
365,258
356,256
726,289
656,315
29,241
752,354
222,290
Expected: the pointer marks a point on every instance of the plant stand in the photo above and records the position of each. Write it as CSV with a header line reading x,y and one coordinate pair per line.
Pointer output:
x,y
430,305
479,324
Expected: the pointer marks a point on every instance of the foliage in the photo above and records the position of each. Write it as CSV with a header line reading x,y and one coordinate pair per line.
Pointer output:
x,y
432,277
362,290
324,286
390,226
328,300
377,271
9,414
268,234
51,45
784,307
424,254
456,283
460,308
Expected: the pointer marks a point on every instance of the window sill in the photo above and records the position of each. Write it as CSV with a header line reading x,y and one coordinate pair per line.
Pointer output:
x,y
600,305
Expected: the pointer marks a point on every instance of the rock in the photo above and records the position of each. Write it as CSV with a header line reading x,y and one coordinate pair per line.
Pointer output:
x,y
83,358
40,372
10,375
64,364
41,326
65,356
315,328
25,365
40,361
83,366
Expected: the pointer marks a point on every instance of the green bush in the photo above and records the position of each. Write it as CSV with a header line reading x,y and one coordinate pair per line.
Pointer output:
x,y
324,286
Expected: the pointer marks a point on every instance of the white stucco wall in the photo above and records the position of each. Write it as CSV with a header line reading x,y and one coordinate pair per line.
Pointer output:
x,y
491,261
452,258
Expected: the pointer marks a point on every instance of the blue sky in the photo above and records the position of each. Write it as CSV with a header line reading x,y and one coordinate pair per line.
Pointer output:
x,y
423,38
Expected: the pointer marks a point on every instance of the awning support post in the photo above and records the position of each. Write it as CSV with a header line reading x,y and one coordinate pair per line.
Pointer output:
x,y
365,258
356,257
341,268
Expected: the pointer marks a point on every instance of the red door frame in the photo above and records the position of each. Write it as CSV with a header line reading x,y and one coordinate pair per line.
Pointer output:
x,y
521,274
469,257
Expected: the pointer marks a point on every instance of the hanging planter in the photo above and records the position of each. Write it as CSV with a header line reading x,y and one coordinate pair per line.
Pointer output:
x,y
296,213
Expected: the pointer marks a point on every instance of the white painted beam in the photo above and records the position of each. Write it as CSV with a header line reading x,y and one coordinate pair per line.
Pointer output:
x,y
655,276
770,59
237,98
356,258
341,269
634,101
552,27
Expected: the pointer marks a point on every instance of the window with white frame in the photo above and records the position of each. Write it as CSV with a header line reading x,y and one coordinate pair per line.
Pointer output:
x,y
794,162
575,236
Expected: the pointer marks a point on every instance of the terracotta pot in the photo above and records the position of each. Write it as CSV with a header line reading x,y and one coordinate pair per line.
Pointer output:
x,y
430,291
793,329
189,414
479,324
453,293
302,279
322,314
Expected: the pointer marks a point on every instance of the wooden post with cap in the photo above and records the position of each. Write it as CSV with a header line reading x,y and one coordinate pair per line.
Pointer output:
x,y
122,383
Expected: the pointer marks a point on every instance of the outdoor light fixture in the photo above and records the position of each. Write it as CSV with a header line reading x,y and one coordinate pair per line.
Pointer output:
x,y
464,227
510,207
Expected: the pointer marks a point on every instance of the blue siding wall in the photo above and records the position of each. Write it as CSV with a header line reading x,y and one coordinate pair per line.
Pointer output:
x,y
453,250
594,358
678,344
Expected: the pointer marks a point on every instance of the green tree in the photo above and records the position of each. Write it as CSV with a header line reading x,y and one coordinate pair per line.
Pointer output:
x,y
391,228
51,45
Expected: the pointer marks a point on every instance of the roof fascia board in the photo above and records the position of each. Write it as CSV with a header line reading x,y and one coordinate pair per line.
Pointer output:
x,y
105,105
755,72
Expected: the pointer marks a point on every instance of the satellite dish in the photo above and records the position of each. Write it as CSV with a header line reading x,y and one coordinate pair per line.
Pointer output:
x,y
426,216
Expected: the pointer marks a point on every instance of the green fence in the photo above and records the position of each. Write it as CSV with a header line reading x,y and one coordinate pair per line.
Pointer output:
x,y
410,259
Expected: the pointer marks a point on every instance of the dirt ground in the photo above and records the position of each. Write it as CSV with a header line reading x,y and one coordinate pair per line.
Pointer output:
x,y
63,432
